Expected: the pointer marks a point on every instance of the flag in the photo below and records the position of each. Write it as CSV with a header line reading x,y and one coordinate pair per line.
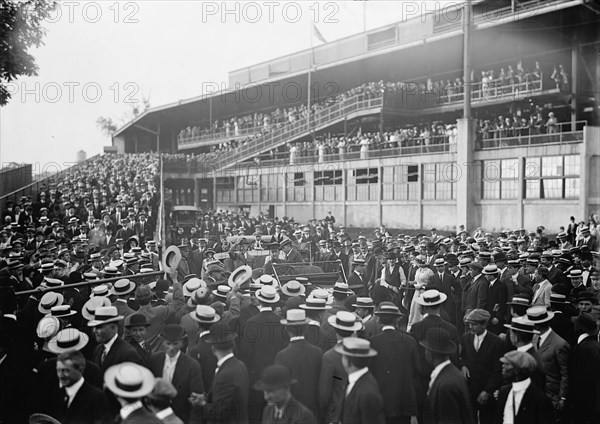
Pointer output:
x,y
318,34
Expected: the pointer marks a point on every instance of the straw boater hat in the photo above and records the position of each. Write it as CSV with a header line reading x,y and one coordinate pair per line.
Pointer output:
x,y
431,298
105,315
266,280
39,418
192,285
295,317
205,314
129,380
222,291
172,257
48,301
388,308
267,294
364,302
122,287
101,290
522,325
68,339
62,311
322,294
356,348
239,275
89,308
293,288
48,327
344,320
538,314
315,304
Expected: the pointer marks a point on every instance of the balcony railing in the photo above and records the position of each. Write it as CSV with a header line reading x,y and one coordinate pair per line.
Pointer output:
x,y
218,136
562,133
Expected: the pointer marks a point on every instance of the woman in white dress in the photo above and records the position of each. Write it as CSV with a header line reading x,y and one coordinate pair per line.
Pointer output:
x,y
423,276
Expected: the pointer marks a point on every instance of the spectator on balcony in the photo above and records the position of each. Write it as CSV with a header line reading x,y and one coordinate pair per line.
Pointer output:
x,y
552,124
364,147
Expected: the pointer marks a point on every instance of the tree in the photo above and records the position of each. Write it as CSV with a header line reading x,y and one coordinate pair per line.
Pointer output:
x,y
20,29
109,125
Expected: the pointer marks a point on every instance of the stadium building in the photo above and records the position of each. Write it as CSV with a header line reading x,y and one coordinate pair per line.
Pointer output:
x,y
486,116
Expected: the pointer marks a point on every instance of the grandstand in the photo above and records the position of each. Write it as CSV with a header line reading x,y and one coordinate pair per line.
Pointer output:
x,y
385,138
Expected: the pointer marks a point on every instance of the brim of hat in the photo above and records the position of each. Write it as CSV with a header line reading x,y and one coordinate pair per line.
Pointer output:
x,y
145,389
315,308
121,293
38,418
47,311
363,306
94,323
294,323
548,318
259,385
147,324
518,304
356,327
216,318
243,269
228,338
443,298
340,349
274,300
290,294
400,314
450,351
532,331
54,348
71,313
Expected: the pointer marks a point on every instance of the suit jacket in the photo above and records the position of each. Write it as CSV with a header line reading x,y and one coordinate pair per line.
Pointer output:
x,y
448,399
332,386
541,296
294,412
484,365
143,352
584,381
496,305
535,407
364,404
120,351
554,353
88,406
203,354
187,378
396,378
304,362
563,326
228,396
472,293
142,416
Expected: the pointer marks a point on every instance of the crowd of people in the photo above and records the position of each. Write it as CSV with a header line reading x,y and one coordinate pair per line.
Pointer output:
x,y
468,327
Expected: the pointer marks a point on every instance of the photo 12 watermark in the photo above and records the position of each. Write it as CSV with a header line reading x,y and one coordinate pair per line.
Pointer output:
x,y
269,12
75,92
93,12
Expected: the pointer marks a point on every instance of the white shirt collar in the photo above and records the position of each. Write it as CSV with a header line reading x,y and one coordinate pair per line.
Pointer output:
x,y
3,358
354,376
525,348
223,359
368,317
388,327
518,386
265,308
481,336
129,409
161,415
583,337
174,359
436,371
73,389
109,343
293,339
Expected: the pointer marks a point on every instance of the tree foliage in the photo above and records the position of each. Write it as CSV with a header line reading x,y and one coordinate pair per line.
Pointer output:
x,y
109,125
20,30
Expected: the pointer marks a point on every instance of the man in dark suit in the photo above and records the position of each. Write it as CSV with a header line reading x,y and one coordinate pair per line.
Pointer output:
x,y
302,359
480,355
227,399
206,317
554,353
178,369
135,334
111,348
522,402
396,379
363,403
75,400
263,337
521,337
357,280
446,283
448,396
291,254
584,372
497,293
591,242
283,407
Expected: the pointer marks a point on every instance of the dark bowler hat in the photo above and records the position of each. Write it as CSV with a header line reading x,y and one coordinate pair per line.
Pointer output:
x,y
136,320
586,323
437,340
274,377
219,334
173,333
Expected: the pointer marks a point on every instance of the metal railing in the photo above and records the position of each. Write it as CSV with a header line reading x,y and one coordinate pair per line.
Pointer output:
x,y
562,133
218,136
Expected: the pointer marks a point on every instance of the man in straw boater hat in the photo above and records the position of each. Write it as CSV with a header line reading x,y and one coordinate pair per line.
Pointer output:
x,y
395,378
177,368
282,406
584,372
497,296
447,394
72,398
302,359
205,317
480,363
226,401
554,352
131,383
521,401
521,336
363,403
561,323
121,289
263,336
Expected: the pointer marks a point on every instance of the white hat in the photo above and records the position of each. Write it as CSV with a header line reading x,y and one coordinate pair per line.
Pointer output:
x,y
48,327
344,320
431,298
267,294
50,300
122,287
104,315
89,308
129,380
67,339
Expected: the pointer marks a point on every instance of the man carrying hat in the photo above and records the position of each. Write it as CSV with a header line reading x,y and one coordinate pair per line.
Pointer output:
x,y
302,359
178,369
282,407
584,372
395,378
522,402
447,394
554,353
363,403
480,360
130,383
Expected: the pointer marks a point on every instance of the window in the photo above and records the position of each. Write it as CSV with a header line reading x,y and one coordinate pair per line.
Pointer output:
x,y
499,179
225,183
299,179
366,176
552,177
328,178
439,181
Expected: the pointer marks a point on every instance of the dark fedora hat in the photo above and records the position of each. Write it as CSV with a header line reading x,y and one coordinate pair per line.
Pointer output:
x,y
173,333
220,333
586,322
274,377
437,340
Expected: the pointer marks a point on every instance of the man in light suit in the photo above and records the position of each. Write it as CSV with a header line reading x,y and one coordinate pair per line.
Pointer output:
x,y
554,352
178,369
363,403
542,289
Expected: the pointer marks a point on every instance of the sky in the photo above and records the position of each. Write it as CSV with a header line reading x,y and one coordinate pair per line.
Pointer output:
x,y
101,58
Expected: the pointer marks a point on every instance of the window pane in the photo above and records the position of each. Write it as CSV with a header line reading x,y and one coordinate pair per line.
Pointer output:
x,y
532,189
428,190
443,190
491,189
572,165
491,171
552,189
510,168
388,191
552,166
572,187
401,191
413,191
429,172
509,189
532,168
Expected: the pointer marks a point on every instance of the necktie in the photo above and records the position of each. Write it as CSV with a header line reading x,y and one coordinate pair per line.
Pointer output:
x,y
103,357
539,342
65,398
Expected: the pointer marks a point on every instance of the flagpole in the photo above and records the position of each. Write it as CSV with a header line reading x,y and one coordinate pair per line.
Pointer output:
x,y
310,65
